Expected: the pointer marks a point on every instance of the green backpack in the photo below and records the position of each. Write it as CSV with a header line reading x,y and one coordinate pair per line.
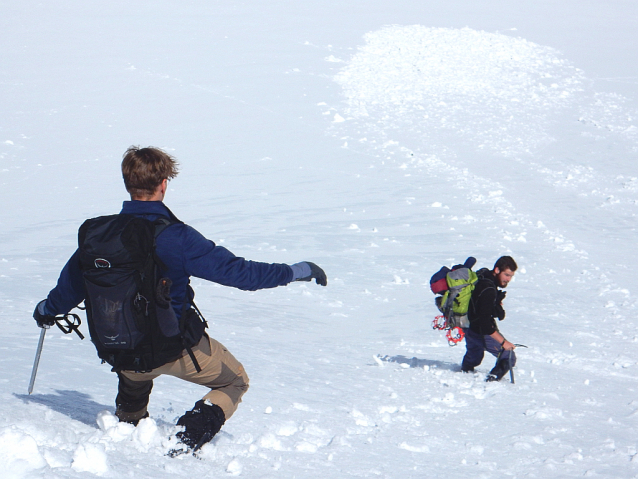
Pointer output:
x,y
456,300
454,288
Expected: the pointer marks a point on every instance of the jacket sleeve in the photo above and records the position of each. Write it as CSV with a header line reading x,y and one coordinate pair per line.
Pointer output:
x,y
485,309
69,292
204,259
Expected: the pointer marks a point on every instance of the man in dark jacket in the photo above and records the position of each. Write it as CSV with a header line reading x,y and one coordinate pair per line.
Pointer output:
x,y
185,253
483,334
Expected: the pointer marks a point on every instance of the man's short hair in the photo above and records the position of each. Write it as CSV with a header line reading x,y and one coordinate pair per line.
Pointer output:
x,y
144,169
506,262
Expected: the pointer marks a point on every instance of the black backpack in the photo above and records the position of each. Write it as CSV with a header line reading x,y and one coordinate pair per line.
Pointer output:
x,y
485,282
128,303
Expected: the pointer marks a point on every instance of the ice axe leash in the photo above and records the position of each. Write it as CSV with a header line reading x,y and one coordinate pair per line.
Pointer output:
x,y
71,323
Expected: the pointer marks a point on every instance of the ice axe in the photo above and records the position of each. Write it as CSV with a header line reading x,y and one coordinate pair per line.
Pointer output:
x,y
72,324
512,367
38,353
509,359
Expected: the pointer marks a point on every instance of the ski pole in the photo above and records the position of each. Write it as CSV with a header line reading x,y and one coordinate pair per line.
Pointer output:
x,y
38,353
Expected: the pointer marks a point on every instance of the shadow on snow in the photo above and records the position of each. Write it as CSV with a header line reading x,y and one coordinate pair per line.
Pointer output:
x,y
419,363
76,405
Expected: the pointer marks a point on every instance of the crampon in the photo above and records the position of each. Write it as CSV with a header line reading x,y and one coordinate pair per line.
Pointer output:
x,y
454,335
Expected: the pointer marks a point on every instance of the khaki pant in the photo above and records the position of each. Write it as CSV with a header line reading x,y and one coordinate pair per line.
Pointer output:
x,y
221,372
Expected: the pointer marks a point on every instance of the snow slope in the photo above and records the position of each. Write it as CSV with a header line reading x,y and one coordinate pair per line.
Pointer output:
x,y
380,141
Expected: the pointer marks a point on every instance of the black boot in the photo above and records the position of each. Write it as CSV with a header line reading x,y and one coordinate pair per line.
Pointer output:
x,y
131,418
498,371
200,424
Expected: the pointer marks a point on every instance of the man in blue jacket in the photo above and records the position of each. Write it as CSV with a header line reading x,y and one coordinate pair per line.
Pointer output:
x,y
185,253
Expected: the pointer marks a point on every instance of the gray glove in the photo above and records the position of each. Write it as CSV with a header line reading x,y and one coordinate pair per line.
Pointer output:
x,y
306,271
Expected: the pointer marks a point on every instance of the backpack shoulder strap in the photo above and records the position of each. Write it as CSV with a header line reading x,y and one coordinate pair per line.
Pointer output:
x,y
162,223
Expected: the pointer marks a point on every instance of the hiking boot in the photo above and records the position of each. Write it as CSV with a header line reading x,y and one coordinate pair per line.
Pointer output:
x,y
131,417
498,371
200,424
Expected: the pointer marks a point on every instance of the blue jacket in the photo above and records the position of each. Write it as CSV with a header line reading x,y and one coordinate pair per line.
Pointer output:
x,y
186,253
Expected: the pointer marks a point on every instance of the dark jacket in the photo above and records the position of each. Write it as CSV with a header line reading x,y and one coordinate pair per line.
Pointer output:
x,y
186,253
485,304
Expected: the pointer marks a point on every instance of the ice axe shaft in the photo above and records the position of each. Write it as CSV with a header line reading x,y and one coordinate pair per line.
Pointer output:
x,y
38,353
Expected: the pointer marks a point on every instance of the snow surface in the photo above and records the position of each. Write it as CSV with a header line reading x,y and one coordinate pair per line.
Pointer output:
x,y
380,140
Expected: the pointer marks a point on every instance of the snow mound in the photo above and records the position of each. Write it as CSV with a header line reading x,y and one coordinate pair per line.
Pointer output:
x,y
19,453
493,88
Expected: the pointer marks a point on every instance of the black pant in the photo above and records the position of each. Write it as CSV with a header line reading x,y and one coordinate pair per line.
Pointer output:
x,y
132,396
